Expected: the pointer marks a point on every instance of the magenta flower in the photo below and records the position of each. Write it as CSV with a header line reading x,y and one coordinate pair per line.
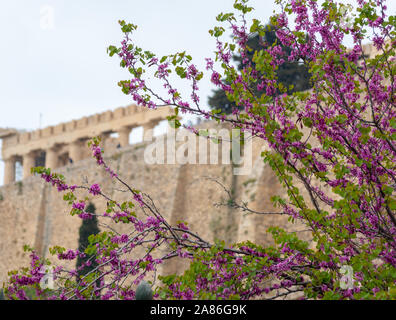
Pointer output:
x,y
94,189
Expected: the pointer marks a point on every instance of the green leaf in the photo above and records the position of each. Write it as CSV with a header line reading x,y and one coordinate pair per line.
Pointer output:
x,y
392,204
392,123
342,118
215,140
308,122
387,190
364,130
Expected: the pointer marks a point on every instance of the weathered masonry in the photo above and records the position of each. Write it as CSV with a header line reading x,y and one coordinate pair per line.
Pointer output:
x,y
55,146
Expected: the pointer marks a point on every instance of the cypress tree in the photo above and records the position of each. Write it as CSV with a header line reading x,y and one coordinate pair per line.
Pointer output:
x,y
88,227
289,73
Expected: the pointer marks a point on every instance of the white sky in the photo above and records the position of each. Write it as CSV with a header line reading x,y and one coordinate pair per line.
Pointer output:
x,y
62,71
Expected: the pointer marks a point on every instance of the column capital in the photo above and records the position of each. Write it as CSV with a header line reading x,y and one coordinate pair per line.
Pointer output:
x,y
125,129
53,147
30,153
150,124
12,158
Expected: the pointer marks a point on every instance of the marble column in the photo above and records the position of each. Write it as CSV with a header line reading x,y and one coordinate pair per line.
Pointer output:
x,y
75,151
123,136
9,170
104,140
51,158
148,130
28,161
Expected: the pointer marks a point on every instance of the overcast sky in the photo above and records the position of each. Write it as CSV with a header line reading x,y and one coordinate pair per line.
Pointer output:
x,y
62,70
53,61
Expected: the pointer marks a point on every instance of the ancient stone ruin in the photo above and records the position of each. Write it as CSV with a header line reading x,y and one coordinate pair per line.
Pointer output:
x,y
56,146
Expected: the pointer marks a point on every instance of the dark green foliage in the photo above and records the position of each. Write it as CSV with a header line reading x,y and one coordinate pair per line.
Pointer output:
x,y
289,73
88,227
2,297
219,100
143,291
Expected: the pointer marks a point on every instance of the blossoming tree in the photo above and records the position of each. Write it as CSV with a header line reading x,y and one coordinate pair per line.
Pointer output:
x,y
337,140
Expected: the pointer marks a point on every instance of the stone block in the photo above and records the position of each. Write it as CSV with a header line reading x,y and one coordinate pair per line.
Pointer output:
x,y
10,141
131,110
82,123
92,120
47,132
71,125
24,137
106,116
119,113
35,135
59,129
